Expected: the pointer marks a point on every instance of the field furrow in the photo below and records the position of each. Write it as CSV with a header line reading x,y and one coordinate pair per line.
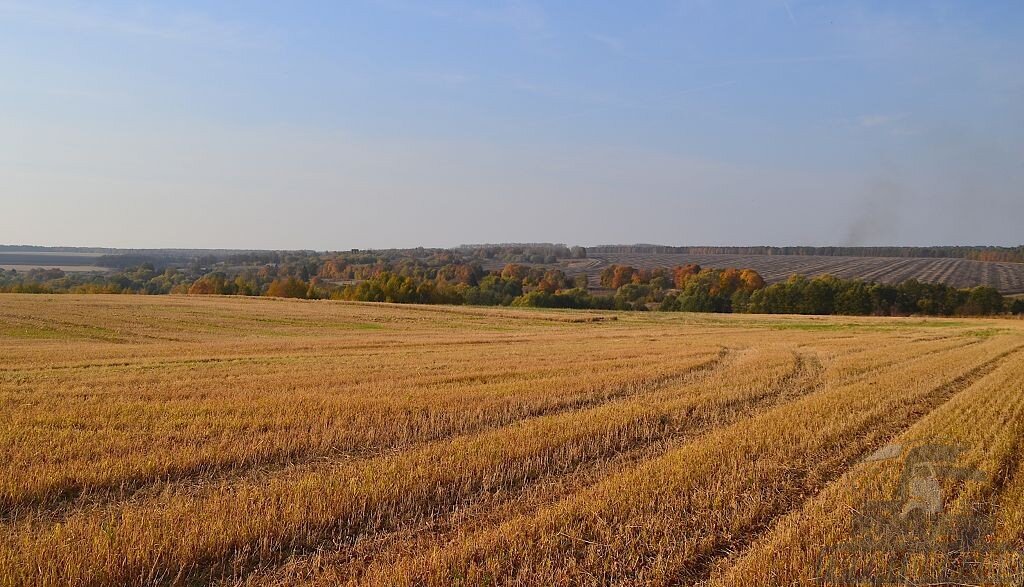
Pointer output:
x,y
348,500
926,506
668,519
322,426
349,562
240,442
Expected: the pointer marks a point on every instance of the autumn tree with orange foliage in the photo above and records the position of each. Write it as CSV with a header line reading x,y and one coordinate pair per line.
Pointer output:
x,y
751,280
683,272
211,284
515,271
616,276
288,288
553,281
459,274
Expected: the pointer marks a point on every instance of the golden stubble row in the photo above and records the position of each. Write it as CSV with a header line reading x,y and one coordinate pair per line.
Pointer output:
x,y
668,521
240,522
123,428
930,505
218,437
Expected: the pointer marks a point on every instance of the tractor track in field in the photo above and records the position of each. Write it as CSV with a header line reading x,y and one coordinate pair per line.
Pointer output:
x,y
57,503
701,569
204,568
278,446
972,535
803,380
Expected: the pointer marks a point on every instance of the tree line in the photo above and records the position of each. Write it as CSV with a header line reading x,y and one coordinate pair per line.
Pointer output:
x,y
446,277
691,288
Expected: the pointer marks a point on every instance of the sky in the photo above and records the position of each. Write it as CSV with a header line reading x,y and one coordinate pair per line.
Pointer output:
x,y
399,123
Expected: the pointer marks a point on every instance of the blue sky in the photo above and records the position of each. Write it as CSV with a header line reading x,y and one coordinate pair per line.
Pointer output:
x,y
332,125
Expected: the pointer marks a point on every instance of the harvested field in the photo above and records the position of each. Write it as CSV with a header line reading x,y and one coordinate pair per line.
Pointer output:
x,y
65,261
1006,277
236,441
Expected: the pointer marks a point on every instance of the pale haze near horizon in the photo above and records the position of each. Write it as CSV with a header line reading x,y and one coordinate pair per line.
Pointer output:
x,y
396,124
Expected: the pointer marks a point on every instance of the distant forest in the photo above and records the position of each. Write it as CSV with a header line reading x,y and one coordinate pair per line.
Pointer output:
x,y
458,276
977,253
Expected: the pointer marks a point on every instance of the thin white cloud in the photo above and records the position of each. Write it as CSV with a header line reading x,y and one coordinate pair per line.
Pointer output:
x,y
441,78
184,27
669,102
876,120
613,44
561,93
789,11
788,60
80,93
524,17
